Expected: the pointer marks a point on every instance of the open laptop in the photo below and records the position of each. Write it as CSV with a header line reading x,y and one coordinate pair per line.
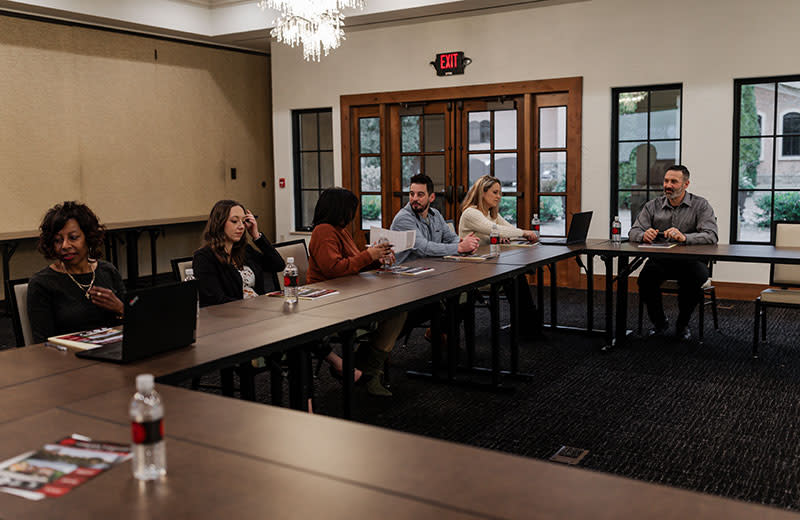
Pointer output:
x,y
156,319
578,230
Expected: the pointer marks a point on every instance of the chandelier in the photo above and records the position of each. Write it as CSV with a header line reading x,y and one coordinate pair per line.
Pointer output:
x,y
317,25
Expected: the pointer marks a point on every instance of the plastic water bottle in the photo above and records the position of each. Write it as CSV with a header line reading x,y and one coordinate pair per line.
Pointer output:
x,y
147,426
494,241
386,263
536,225
616,231
290,282
189,276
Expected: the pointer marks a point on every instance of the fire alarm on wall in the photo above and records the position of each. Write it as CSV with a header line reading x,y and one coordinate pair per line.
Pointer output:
x,y
282,182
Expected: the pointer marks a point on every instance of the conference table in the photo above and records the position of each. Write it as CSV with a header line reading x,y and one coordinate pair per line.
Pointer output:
x,y
616,332
229,456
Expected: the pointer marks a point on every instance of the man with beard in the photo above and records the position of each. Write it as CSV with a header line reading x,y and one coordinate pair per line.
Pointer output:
x,y
682,217
434,237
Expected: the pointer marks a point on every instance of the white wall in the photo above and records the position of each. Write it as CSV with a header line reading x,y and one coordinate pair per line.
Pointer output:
x,y
611,43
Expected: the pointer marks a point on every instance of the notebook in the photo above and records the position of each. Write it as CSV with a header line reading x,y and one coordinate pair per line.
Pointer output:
x,y
157,319
578,230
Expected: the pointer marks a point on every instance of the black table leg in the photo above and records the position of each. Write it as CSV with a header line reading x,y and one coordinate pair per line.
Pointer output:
x,y
494,311
226,378
8,249
609,267
553,297
453,339
276,380
247,382
540,294
469,328
348,372
154,234
622,300
589,292
514,339
132,256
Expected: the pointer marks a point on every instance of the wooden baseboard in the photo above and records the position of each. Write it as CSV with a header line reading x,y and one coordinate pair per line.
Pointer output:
x,y
725,290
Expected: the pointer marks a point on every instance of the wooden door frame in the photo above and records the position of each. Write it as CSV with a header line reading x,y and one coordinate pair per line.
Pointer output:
x,y
572,86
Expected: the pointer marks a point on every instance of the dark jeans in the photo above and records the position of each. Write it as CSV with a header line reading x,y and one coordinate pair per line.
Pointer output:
x,y
690,274
529,323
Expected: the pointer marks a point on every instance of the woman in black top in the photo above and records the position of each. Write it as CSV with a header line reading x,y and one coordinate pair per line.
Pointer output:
x,y
77,291
227,268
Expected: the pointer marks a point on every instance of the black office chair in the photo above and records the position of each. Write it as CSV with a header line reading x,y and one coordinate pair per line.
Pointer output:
x,y
709,297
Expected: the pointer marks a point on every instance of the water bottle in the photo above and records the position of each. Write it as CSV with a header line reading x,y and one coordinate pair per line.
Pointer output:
x,y
536,225
616,231
290,282
386,263
147,426
189,275
494,241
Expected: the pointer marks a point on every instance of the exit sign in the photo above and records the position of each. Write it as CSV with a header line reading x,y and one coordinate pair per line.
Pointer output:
x,y
448,63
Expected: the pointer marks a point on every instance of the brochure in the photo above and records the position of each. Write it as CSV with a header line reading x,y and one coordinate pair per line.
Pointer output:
x,y
658,245
406,270
56,469
307,293
400,240
88,339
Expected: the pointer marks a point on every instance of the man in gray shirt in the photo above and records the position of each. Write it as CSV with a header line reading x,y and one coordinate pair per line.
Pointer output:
x,y
677,216
434,237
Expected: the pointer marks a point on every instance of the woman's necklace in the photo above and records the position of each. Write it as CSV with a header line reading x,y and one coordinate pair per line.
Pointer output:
x,y
85,287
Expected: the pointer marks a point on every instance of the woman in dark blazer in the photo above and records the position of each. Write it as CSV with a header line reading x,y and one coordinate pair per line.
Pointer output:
x,y
227,268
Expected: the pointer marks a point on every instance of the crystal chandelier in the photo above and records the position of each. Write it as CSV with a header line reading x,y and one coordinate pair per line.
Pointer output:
x,y
316,24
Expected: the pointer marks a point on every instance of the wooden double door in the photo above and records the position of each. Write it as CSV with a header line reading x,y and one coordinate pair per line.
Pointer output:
x,y
525,134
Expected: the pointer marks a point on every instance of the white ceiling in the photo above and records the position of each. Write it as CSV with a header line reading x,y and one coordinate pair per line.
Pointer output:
x,y
240,23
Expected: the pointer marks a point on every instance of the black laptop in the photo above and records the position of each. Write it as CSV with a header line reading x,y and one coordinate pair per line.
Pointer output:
x,y
156,319
578,230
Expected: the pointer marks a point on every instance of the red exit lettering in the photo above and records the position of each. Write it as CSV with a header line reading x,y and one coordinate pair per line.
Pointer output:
x,y
448,61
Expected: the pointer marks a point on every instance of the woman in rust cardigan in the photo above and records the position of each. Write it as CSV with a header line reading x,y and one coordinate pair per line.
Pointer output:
x,y
333,253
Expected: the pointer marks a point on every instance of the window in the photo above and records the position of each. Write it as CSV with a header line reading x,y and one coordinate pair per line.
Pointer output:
x,y
645,140
766,151
313,161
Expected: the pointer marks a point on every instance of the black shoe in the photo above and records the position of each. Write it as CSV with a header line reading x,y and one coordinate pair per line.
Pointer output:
x,y
684,334
659,330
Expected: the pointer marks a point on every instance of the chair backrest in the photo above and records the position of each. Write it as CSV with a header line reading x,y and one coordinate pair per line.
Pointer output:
x,y
298,250
451,225
179,266
18,289
785,234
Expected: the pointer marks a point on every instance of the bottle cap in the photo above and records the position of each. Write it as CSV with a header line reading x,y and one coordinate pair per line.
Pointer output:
x,y
290,260
144,382
189,271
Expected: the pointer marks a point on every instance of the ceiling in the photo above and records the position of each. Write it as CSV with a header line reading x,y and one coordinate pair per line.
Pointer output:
x,y
240,23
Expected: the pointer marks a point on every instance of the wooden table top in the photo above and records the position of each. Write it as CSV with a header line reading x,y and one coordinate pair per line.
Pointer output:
x,y
472,480
721,252
202,482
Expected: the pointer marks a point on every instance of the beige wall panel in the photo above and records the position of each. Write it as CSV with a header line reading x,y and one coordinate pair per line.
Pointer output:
x,y
38,142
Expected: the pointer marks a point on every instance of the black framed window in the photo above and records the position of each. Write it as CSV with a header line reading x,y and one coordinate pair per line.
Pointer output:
x,y
645,140
312,133
766,156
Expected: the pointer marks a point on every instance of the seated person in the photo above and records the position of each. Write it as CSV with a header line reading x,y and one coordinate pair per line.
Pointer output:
x,y
333,253
682,217
228,268
434,237
77,291
479,211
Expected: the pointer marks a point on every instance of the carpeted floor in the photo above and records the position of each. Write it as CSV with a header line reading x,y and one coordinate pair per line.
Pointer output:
x,y
703,417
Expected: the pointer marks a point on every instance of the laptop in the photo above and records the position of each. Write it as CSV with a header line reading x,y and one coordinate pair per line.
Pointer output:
x,y
578,230
156,320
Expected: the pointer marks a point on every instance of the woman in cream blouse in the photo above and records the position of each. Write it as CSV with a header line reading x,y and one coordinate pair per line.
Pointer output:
x,y
479,212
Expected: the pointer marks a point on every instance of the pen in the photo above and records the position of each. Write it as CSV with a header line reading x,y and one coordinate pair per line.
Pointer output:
x,y
62,348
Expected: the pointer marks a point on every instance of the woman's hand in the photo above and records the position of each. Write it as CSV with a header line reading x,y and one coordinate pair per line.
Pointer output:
x,y
251,225
106,299
530,235
378,250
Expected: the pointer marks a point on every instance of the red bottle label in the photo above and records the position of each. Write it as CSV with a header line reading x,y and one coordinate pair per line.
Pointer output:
x,y
147,432
536,227
615,231
289,281
494,240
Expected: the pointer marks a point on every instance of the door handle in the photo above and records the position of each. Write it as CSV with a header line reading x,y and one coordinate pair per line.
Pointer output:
x,y
462,192
448,194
